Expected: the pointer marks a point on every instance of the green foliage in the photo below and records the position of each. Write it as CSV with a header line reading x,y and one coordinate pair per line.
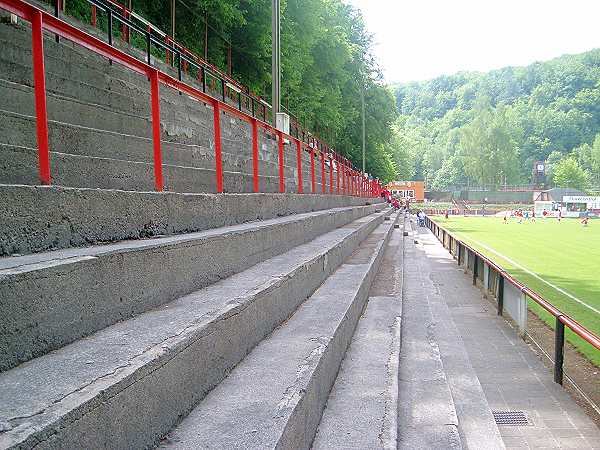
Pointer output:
x,y
568,173
505,119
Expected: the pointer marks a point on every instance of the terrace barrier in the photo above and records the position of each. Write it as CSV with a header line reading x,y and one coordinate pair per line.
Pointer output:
x,y
511,294
348,180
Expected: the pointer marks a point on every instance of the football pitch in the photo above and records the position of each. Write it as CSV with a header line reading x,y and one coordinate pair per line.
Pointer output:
x,y
559,260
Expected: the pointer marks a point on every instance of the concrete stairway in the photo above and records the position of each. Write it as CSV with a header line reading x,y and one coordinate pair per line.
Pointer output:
x,y
100,131
169,328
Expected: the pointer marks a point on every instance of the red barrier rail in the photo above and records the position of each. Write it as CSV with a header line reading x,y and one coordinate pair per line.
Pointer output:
x,y
41,20
129,13
561,319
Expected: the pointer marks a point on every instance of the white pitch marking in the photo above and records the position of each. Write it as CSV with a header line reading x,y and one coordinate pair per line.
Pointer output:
x,y
516,264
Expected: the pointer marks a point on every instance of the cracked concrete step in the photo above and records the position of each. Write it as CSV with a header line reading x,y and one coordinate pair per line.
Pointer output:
x,y
275,396
19,165
129,384
73,56
187,122
73,139
362,408
427,416
67,54
361,411
51,299
42,218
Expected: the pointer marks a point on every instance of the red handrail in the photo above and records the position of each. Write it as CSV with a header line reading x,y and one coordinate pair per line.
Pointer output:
x,y
201,61
587,335
43,20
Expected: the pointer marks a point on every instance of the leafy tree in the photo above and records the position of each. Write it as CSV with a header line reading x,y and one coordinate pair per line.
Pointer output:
x,y
489,146
568,173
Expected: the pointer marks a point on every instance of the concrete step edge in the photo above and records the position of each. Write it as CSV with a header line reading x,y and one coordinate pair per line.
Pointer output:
x,y
207,152
54,298
163,362
427,416
275,397
34,219
362,408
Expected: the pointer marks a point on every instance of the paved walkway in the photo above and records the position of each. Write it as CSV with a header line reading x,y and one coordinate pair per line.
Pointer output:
x,y
510,374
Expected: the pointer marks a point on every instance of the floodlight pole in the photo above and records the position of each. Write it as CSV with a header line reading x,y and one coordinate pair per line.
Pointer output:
x,y
276,60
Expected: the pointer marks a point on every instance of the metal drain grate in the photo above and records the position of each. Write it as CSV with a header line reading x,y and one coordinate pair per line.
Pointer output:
x,y
516,418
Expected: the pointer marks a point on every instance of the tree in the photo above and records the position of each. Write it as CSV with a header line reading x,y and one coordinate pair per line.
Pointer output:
x,y
568,173
489,146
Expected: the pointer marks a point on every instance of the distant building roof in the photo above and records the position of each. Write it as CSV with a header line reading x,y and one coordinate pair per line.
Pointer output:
x,y
557,194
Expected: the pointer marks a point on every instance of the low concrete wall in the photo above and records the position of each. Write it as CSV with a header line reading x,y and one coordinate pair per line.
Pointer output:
x,y
39,218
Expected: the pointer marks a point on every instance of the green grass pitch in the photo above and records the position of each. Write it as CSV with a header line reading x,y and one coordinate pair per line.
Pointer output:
x,y
565,255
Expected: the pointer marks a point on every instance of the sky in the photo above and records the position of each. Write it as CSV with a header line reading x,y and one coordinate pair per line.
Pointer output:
x,y
422,39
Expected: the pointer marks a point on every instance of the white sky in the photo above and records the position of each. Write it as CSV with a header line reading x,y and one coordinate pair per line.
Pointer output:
x,y
422,39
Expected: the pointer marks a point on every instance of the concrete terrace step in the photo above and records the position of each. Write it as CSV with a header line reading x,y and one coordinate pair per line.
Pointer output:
x,y
129,384
51,299
427,417
79,139
42,218
96,125
275,396
67,54
19,165
186,122
362,409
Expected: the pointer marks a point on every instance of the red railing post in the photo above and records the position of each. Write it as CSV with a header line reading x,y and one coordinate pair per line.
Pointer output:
x,y
167,52
94,16
312,170
255,184
158,177
299,164
337,166
281,166
343,166
218,157
323,179
123,31
348,178
39,81
330,173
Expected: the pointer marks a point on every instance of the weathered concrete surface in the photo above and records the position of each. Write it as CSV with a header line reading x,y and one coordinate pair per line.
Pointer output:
x,y
426,412
42,218
51,299
129,384
101,111
275,396
362,408
20,166
510,374
66,136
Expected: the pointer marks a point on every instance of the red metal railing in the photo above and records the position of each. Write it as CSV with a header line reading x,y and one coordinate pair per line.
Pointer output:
x,y
170,56
41,20
562,319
